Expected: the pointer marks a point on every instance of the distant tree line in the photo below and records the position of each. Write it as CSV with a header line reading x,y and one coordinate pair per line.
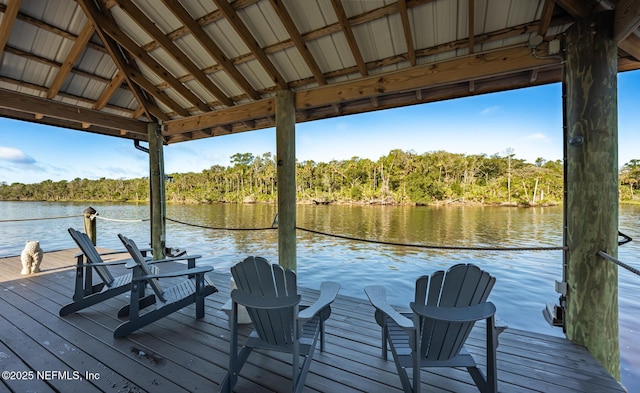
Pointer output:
x,y
400,177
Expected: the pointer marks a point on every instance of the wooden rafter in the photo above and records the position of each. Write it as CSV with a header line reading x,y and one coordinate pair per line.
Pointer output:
x,y
351,38
83,101
627,19
92,11
145,23
408,35
234,20
631,45
109,27
299,42
107,93
212,48
545,18
73,55
51,63
8,19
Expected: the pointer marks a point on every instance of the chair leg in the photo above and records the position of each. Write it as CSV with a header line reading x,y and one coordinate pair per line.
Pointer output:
x,y
144,302
488,383
385,334
236,359
199,296
416,361
492,366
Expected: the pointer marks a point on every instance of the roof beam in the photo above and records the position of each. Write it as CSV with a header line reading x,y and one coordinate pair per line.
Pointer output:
x,y
430,75
627,19
631,45
43,107
232,17
212,48
150,28
92,12
471,28
478,66
408,35
575,8
351,38
299,42
73,55
8,19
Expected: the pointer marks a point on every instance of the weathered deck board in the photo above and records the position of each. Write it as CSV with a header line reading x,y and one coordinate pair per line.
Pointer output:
x,y
180,353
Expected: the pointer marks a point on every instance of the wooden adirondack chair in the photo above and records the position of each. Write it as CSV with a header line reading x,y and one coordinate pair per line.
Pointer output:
x,y
193,289
445,309
271,298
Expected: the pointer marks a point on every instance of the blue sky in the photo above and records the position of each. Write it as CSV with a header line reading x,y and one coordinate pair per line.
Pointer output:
x,y
528,121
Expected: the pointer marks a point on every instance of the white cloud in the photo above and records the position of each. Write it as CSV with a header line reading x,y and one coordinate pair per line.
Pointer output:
x,y
490,110
537,137
15,156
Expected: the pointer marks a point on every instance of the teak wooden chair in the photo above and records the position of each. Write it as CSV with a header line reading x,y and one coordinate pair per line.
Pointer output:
x,y
193,289
445,309
271,298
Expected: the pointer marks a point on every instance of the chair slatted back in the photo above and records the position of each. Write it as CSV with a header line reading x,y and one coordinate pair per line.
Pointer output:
x,y
91,255
461,286
257,277
147,269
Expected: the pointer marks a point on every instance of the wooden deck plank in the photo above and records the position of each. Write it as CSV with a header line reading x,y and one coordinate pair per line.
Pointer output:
x,y
180,353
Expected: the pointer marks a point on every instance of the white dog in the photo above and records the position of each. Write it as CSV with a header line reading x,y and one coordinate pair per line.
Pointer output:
x,y
31,257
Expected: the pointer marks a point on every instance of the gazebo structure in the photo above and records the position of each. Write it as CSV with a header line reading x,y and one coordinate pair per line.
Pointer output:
x,y
167,71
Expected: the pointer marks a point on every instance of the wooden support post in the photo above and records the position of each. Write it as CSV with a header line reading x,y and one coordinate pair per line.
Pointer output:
x,y
90,226
592,188
156,184
286,158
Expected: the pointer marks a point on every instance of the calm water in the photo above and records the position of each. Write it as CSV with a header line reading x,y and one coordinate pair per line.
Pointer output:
x,y
525,279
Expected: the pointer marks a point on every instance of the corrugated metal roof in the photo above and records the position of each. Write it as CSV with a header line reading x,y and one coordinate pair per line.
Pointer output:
x,y
313,56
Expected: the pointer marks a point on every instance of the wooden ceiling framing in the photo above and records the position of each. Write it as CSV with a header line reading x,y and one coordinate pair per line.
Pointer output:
x,y
211,67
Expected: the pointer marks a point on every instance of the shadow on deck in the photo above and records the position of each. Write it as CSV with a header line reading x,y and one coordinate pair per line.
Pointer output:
x,y
46,353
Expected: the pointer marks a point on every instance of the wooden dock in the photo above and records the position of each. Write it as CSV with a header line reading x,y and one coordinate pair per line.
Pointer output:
x,y
181,354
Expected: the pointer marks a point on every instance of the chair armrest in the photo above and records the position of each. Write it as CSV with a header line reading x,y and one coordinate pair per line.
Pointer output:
x,y
80,261
377,295
116,252
257,301
455,314
328,292
132,263
180,258
186,272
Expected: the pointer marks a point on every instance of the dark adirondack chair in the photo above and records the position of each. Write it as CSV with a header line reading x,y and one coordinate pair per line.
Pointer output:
x,y
271,298
445,309
86,292
193,289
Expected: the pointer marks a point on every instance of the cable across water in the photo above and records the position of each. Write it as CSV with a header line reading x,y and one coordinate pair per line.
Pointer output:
x,y
380,242
41,218
427,246
618,262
